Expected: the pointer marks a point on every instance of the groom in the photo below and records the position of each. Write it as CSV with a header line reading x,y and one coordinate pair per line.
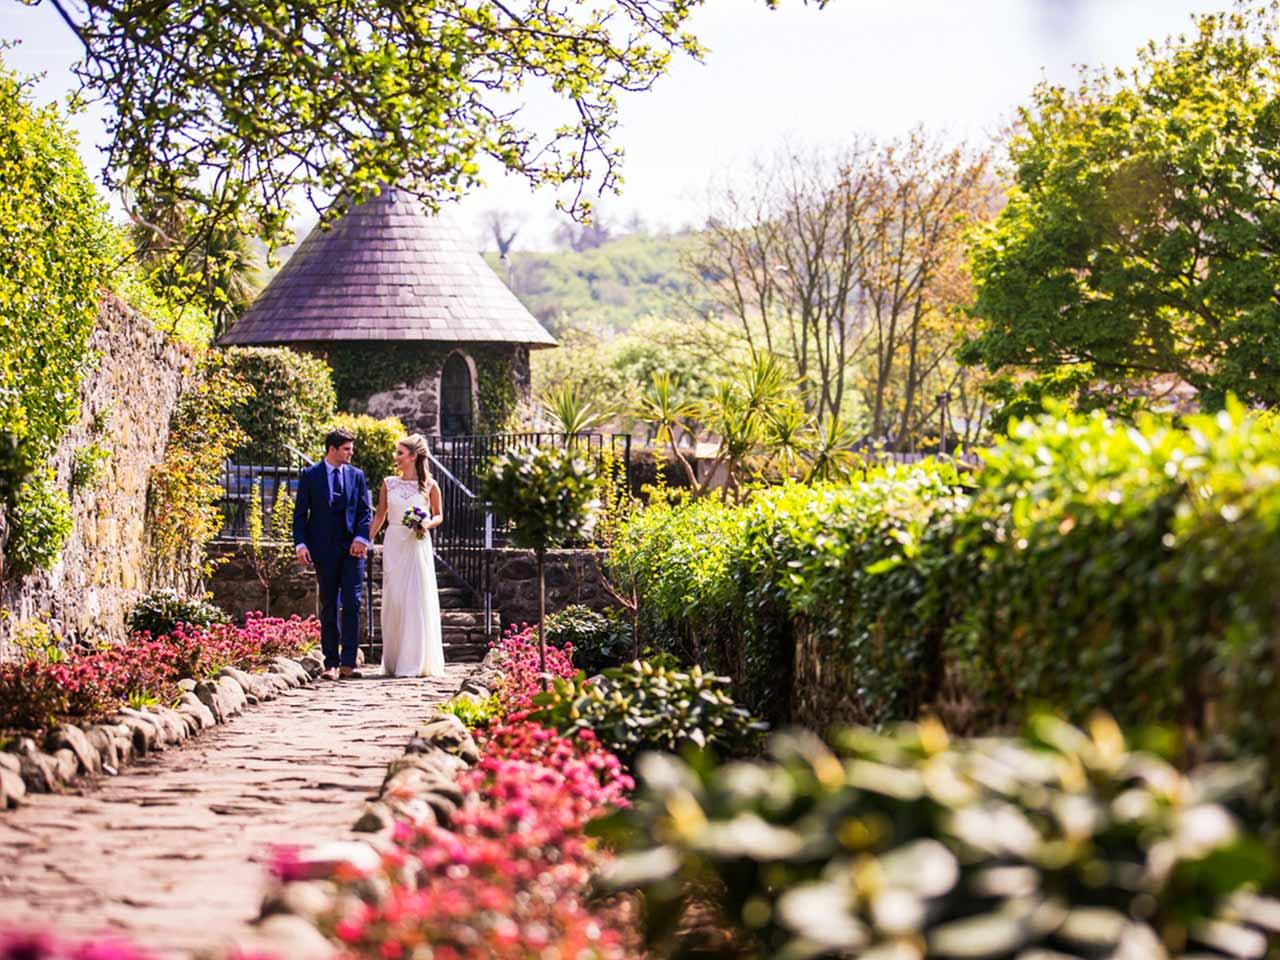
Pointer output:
x,y
331,531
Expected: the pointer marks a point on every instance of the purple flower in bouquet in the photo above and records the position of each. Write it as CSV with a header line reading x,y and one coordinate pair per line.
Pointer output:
x,y
415,518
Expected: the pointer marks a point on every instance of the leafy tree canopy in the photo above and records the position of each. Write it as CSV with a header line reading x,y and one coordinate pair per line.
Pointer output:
x,y
234,104
1138,248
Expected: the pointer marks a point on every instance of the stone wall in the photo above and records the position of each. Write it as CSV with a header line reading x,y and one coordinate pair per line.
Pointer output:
x,y
125,405
573,576
236,589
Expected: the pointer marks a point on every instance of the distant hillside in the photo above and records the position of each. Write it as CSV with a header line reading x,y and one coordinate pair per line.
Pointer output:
x,y
613,285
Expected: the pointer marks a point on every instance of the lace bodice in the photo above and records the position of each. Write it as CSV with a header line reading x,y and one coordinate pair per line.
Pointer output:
x,y
403,494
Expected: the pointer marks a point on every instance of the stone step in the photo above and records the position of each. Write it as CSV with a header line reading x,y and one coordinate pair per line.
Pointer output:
x,y
460,652
468,618
451,598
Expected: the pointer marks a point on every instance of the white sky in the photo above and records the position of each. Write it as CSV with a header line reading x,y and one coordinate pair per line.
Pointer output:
x,y
958,67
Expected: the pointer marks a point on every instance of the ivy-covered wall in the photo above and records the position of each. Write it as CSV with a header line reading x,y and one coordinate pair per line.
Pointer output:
x,y
403,380
103,464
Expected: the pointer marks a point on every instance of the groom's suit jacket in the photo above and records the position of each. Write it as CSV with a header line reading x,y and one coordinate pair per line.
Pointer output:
x,y
327,525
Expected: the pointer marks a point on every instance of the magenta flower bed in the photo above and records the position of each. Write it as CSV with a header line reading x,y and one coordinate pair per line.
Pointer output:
x,y
521,677
90,685
22,945
509,877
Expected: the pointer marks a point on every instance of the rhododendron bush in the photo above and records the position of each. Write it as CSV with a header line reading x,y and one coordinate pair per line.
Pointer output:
x,y
90,684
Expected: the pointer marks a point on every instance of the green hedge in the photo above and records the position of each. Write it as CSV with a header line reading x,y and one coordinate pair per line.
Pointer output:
x,y
729,584
1093,564
292,404
375,445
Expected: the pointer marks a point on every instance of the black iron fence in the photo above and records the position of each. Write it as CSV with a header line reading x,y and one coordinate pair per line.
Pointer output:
x,y
242,482
464,539
465,457
462,543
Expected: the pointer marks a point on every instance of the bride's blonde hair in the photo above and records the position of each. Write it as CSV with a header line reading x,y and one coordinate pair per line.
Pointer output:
x,y
416,444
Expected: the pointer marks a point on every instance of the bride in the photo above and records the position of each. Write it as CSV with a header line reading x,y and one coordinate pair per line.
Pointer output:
x,y
411,638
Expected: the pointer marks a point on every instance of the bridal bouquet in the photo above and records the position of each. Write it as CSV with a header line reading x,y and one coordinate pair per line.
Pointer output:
x,y
415,518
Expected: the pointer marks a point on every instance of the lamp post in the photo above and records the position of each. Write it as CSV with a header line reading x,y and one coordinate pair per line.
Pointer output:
x,y
943,399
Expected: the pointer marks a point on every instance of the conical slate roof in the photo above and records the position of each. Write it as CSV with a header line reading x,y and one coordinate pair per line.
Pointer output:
x,y
387,270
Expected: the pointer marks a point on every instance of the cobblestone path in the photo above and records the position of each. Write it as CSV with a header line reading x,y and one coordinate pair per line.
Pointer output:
x,y
170,853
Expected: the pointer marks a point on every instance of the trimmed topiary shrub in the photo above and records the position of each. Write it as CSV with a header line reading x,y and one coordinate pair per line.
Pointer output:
x,y
292,403
549,495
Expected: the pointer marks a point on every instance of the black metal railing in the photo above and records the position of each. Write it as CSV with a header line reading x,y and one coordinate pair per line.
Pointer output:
x,y
466,457
464,538
238,489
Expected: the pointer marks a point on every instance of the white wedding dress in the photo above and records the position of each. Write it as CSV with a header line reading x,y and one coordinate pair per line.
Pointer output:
x,y
412,644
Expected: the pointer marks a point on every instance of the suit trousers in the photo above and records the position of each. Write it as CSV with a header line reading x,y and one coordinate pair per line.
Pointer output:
x,y
340,578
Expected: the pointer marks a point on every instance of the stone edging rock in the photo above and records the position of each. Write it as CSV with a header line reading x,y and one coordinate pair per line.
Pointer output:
x,y
420,787
69,752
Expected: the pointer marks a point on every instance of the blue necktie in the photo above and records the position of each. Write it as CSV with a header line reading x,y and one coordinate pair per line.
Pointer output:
x,y
336,494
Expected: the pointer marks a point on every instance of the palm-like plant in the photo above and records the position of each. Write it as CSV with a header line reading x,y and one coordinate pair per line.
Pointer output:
x,y
789,436
830,454
219,266
570,412
757,410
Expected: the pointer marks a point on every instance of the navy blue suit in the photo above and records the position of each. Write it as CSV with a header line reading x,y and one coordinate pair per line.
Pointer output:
x,y
327,522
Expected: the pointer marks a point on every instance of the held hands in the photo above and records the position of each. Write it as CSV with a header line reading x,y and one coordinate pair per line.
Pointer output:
x,y
304,557
359,549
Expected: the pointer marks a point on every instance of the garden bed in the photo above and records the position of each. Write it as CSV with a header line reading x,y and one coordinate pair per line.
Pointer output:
x,y
70,714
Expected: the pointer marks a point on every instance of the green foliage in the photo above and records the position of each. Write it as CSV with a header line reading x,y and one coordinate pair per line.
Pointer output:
x,y
760,422
639,707
271,550
496,396
159,612
87,466
599,640
141,700
37,639
570,412
1136,240
1094,564
614,285
215,272
54,261
361,369
291,403
375,445
232,105
728,584
472,712
1057,844
1144,556
547,493
183,511
40,522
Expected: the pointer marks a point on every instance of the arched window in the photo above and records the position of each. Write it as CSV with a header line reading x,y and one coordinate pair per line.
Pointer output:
x,y
455,397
